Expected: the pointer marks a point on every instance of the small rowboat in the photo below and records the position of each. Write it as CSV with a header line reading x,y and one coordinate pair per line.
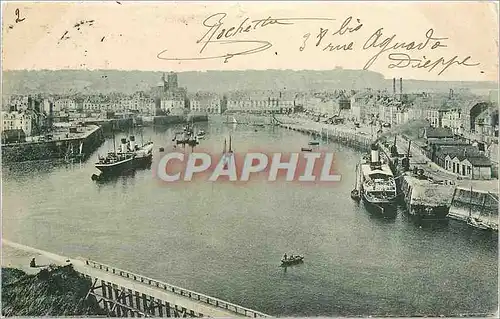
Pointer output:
x,y
355,195
292,260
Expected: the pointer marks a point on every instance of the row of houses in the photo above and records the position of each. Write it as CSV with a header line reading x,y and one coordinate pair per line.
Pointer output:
x,y
459,113
457,155
18,120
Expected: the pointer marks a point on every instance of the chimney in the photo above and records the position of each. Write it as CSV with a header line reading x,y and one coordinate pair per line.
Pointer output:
x,y
401,86
451,93
394,86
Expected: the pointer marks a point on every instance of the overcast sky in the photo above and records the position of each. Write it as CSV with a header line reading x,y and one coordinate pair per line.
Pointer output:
x,y
129,36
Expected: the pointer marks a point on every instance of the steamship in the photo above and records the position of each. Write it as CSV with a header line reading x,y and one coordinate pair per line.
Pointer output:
x,y
378,186
117,162
129,157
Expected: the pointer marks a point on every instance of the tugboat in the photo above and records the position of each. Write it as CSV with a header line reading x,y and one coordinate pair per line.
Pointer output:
x,y
291,260
377,183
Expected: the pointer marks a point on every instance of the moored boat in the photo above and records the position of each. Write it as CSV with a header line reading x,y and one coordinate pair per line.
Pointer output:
x,y
144,155
377,183
115,163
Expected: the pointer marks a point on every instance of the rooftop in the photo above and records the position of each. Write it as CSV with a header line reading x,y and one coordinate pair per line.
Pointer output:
x,y
438,132
477,160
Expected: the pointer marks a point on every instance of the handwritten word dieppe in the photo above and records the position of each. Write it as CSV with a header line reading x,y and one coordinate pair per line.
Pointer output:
x,y
391,46
219,33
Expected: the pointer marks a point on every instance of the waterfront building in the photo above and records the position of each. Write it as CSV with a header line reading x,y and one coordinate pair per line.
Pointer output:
x,y
91,104
453,119
464,160
47,106
472,166
365,105
486,122
172,106
65,104
207,104
286,106
432,117
438,133
253,105
18,121
13,136
18,103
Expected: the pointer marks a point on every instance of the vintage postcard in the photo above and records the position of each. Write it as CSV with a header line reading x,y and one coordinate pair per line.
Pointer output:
x,y
249,159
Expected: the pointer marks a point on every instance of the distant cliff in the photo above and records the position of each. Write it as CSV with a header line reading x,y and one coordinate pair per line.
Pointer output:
x,y
103,81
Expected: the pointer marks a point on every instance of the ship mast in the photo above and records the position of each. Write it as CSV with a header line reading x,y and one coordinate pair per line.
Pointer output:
x,y
114,142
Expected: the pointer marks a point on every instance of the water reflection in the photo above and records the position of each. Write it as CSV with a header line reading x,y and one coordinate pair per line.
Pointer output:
x,y
226,240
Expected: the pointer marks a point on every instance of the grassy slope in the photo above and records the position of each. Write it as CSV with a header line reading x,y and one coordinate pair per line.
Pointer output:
x,y
56,291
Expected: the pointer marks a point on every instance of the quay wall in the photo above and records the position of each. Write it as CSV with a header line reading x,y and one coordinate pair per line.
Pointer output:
x,y
476,203
354,140
54,149
447,197
178,119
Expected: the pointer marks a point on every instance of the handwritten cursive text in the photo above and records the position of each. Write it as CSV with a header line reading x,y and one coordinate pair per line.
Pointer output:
x,y
384,44
218,33
403,60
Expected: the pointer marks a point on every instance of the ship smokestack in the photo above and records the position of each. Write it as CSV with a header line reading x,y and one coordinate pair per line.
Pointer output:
x,y
124,145
401,86
132,142
375,154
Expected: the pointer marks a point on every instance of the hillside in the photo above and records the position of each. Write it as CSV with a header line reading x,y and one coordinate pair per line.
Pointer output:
x,y
103,81
57,291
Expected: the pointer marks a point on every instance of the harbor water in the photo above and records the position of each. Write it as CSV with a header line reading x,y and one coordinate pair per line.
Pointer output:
x,y
226,240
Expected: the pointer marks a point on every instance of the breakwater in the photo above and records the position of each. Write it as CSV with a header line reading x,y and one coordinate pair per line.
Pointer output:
x,y
82,145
